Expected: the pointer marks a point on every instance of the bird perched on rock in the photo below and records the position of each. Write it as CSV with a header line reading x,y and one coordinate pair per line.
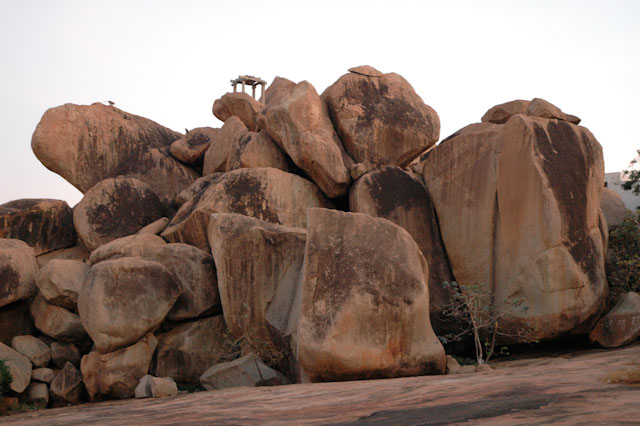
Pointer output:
x,y
111,103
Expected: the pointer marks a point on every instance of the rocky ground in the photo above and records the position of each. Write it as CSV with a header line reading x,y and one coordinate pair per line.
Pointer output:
x,y
573,389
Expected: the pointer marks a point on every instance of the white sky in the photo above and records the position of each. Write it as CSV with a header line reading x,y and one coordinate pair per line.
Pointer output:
x,y
169,61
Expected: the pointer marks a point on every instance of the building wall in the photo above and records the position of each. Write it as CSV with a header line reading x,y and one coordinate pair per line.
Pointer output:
x,y
614,181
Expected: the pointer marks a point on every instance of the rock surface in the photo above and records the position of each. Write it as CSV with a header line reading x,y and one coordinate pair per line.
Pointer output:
x,y
114,208
144,246
45,225
613,208
501,113
215,159
33,348
77,252
245,371
62,352
296,118
88,143
19,367
401,197
38,394
18,270
154,228
256,150
67,387
540,108
621,325
143,390
191,147
124,299
162,387
188,350
44,375
116,374
60,282
56,322
259,267
518,208
380,120
15,320
238,104
365,301
264,193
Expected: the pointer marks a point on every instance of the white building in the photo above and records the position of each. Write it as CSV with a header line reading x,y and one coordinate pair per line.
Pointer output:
x,y
614,181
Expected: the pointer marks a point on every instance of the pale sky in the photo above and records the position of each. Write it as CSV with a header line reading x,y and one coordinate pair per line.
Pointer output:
x,y
168,61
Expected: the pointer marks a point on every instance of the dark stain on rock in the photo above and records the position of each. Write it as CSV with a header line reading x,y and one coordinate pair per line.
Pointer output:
x,y
392,188
9,278
245,195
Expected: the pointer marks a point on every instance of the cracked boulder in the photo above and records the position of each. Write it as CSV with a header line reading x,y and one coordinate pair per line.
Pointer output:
x,y
518,207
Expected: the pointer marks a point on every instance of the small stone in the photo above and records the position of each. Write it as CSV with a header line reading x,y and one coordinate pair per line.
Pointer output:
x,y
61,353
245,371
67,387
163,386
143,390
480,368
33,348
453,366
38,393
44,375
19,367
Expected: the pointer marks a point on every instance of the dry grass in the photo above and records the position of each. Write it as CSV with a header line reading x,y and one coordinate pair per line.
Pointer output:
x,y
628,376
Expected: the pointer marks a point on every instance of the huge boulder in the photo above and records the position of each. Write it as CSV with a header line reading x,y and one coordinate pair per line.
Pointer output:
x,y
116,374
621,325
296,118
216,156
18,270
380,119
56,322
237,104
401,197
365,301
191,147
613,208
45,225
114,208
124,299
19,368
60,282
518,208
264,193
88,143
67,387
188,350
256,150
246,371
259,267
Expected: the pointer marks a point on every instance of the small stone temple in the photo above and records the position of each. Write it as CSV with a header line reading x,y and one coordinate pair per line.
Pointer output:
x,y
249,80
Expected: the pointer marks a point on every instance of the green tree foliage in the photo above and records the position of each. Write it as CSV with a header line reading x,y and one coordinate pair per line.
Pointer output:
x,y
633,173
623,257
5,378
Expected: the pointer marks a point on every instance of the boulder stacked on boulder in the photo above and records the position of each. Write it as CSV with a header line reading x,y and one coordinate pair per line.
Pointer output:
x,y
294,244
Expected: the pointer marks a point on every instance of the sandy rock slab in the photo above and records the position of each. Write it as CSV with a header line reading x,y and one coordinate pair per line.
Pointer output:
x,y
88,143
380,118
18,270
44,224
264,193
365,301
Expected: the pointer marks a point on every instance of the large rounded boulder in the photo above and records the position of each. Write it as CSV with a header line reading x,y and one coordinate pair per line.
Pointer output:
x,y
18,270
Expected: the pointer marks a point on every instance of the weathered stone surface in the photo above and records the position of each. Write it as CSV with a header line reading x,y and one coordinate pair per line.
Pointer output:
x,y
453,367
191,147
215,159
163,386
45,225
60,282
38,393
56,322
61,353
87,144
196,187
44,375
621,325
296,118
15,320
114,208
366,70
365,301
131,246
116,374
502,112
78,252
154,228
613,208
143,390
238,104
256,150
185,352
33,348
259,267
402,198
381,120
518,208
19,367
245,371
67,387
264,193
18,270
124,299
541,108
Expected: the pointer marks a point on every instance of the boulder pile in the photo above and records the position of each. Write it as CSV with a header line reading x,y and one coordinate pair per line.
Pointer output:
x,y
307,239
